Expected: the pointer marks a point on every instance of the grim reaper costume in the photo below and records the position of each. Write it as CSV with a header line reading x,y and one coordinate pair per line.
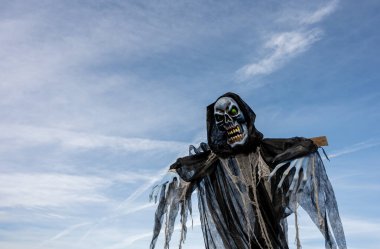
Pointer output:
x,y
247,185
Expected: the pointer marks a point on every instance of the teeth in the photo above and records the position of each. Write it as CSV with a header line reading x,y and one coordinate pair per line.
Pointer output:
x,y
237,137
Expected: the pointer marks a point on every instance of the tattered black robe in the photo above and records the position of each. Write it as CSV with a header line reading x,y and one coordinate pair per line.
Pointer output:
x,y
239,208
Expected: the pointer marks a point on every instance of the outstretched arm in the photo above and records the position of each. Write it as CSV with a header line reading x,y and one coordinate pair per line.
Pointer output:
x,y
173,192
302,170
170,177
307,184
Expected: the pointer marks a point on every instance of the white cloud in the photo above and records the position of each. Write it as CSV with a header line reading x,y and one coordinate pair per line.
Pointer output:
x,y
72,65
354,227
132,177
321,13
50,189
71,77
65,232
21,136
354,148
359,226
130,240
127,206
283,46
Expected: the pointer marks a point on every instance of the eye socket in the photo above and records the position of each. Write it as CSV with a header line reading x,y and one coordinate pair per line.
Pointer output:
x,y
233,111
218,117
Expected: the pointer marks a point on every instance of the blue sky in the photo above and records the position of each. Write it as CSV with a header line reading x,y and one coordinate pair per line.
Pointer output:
x,y
97,98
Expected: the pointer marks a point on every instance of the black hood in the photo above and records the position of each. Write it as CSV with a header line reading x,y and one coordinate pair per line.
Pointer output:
x,y
217,139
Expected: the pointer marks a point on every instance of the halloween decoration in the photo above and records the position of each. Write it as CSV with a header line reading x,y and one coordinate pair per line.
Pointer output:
x,y
247,186
230,119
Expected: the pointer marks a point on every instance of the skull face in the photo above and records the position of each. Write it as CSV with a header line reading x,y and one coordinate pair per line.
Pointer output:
x,y
230,119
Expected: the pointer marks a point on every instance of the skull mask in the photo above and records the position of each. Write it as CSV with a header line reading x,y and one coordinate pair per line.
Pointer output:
x,y
230,119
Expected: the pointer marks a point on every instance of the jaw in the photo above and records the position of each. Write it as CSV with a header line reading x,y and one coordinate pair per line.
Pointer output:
x,y
237,135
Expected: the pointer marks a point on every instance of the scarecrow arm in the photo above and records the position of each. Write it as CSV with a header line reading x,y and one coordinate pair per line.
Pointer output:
x,y
320,141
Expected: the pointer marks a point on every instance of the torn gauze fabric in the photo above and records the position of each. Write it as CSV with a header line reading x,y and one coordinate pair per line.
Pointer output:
x,y
239,208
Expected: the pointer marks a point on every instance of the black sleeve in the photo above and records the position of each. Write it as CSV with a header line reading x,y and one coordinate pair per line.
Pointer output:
x,y
277,150
194,167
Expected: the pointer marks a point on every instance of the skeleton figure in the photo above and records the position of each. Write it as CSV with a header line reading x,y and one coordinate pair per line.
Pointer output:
x,y
247,186
230,119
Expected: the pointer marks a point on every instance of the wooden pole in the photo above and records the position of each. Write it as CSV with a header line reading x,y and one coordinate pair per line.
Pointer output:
x,y
320,141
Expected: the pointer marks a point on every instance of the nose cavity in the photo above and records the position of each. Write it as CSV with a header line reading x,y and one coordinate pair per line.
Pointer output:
x,y
227,118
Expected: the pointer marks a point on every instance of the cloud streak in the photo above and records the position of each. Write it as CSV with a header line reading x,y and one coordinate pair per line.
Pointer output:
x,y
65,232
320,14
129,203
20,136
354,227
355,148
134,238
96,97
281,47
50,190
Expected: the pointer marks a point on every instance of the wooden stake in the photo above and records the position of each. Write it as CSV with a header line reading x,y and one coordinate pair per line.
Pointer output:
x,y
320,141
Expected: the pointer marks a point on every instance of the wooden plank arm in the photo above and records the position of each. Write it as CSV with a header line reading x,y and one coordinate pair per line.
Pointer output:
x,y
320,141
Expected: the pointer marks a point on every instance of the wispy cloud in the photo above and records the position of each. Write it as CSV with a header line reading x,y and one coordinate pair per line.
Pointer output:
x,y
353,227
320,14
130,240
50,189
128,206
96,97
281,47
65,232
20,136
356,147
359,226
61,66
